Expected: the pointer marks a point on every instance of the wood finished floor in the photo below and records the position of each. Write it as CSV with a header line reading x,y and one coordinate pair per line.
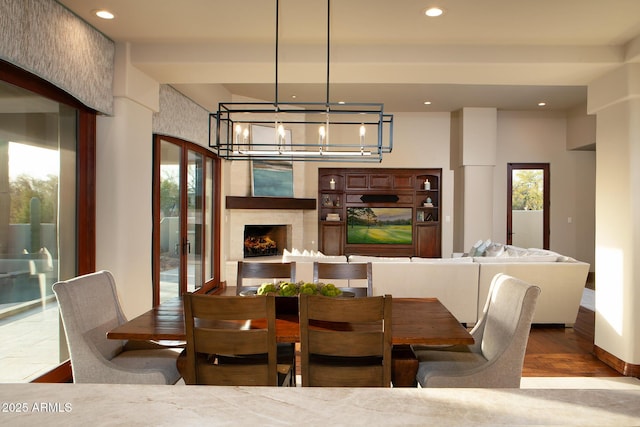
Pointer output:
x,y
563,352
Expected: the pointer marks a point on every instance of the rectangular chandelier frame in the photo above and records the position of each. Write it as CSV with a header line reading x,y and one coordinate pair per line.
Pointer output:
x,y
359,132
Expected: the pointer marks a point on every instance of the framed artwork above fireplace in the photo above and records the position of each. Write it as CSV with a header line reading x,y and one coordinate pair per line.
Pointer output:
x,y
270,178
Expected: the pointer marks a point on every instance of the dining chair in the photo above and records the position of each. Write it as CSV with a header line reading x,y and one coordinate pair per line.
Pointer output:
x,y
346,272
224,345
495,359
345,342
89,308
263,270
270,271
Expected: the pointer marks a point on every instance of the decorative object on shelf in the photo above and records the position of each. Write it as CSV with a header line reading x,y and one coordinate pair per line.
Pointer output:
x,y
427,184
429,217
333,217
326,200
420,216
363,131
428,203
332,184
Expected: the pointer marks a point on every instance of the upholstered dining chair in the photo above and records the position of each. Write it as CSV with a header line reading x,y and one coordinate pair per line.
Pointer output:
x,y
346,271
495,359
269,271
224,347
263,270
89,308
345,342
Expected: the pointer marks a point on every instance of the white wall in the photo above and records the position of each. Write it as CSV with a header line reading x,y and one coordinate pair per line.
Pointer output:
x,y
421,140
123,205
540,137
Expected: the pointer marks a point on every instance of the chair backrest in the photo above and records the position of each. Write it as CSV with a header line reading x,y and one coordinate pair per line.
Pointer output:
x,y
89,308
507,317
345,342
345,271
230,326
263,270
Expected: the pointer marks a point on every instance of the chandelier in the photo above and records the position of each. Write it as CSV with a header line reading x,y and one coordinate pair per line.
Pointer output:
x,y
301,131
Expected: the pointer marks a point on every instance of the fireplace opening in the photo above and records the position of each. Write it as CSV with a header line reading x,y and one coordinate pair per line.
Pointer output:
x,y
264,240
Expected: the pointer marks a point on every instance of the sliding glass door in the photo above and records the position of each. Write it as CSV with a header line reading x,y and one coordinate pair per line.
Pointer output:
x,y
186,243
47,222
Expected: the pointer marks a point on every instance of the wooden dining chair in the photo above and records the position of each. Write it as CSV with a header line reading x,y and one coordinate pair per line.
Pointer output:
x,y
346,272
268,271
345,342
224,345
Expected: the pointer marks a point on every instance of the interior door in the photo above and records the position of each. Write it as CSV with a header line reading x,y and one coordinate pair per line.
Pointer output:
x,y
528,201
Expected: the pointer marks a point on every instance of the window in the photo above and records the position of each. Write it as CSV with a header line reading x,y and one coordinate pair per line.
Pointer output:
x,y
186,243
47,142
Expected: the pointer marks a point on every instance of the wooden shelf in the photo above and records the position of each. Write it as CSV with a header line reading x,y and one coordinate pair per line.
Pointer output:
x,y
237,202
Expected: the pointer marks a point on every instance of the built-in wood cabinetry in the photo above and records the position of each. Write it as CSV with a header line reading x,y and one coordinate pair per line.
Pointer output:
x,y
417,191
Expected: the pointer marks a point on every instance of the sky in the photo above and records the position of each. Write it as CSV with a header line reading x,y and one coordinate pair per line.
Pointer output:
x,y
34,161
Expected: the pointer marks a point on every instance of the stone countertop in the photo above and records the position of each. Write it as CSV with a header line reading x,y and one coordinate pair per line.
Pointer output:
x,y
132,405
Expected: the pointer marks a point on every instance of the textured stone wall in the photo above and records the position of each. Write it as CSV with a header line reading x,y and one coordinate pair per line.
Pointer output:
x,y
180,117
47,40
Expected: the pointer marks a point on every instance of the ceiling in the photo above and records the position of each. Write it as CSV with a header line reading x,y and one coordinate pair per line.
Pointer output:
x,y
481,53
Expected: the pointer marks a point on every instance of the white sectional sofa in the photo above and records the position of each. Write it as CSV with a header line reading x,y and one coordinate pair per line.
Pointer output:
x,y
462,283
562,284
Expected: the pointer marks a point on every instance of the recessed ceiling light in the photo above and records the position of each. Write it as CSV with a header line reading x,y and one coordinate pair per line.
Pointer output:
x,y
293,96
104,14
341,102
432,12
541,104
427,102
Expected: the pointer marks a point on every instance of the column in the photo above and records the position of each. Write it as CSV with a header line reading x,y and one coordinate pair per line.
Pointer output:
x,y
124,185
615,99
474,140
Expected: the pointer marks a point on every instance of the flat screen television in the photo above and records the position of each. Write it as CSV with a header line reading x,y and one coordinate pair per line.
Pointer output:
x,y
370,225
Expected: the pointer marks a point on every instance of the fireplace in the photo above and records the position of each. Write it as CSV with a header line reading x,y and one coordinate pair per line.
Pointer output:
x,y
264,240
292,220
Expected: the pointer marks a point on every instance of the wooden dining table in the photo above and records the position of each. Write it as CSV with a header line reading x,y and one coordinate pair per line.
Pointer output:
x,y
424,321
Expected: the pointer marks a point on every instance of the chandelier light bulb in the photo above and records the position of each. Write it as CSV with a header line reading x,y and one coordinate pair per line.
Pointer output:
x,y
238,132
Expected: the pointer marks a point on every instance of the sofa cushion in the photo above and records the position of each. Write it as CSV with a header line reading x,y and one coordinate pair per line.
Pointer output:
x,y
326,258
494,250
310,256
519,259
362,258
457,260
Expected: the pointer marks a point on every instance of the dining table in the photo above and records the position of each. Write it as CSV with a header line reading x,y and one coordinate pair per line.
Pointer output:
x,y
415,321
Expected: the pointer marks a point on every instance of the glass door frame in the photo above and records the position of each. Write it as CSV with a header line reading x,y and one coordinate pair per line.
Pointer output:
x,y
211,242
546,203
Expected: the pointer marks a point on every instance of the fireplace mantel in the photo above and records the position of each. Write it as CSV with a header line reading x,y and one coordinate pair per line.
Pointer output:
x,y
237,202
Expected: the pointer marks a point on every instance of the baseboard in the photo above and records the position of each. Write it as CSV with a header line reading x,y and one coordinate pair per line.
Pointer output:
x,y
622,367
